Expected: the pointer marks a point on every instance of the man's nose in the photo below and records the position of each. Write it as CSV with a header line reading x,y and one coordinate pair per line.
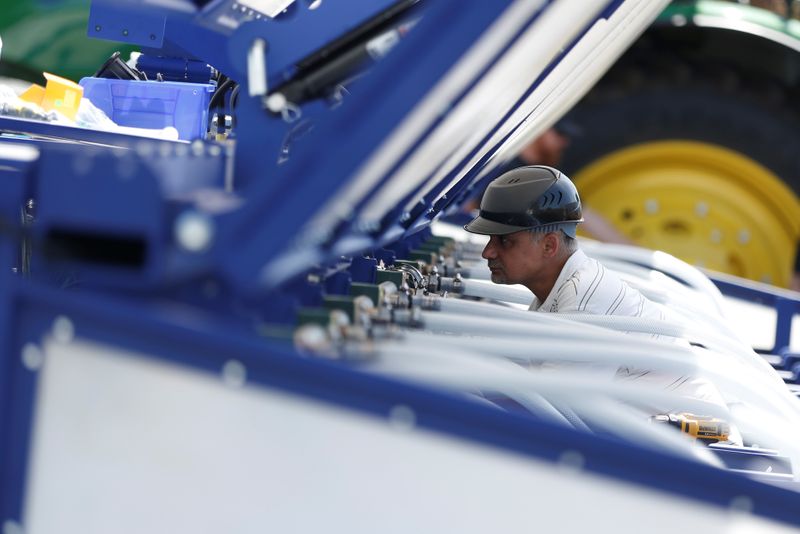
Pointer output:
x,y
489,251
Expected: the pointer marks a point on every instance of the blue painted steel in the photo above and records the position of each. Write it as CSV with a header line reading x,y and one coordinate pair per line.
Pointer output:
x,y
363,269
144,29
34,131
751,459
200,34
319,27
93,196
149,25
304,183
465,187
14,175
387,256
338,283
139,192
206,343
422,214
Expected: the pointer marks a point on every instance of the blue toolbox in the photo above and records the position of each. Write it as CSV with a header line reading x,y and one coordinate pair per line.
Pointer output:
x,y
153,104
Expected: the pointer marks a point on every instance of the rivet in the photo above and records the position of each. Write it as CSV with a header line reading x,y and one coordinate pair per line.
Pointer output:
x,y
32,357
63,329
744,237
679,20
651,206
194,231
571,460
716,236
198,148
144,149
742,503
234,373
402,417
701,209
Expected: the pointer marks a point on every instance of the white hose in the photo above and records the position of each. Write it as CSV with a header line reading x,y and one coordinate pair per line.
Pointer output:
x,y
734,376
613,351
476,272
660,261
488,326
489,290
436,363
468,371
767,403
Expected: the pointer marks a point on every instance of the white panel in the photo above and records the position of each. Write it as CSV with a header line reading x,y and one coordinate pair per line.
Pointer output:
x,y
130,445
271,8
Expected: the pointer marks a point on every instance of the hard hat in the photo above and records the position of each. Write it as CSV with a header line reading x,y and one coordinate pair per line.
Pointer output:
x,y
535,197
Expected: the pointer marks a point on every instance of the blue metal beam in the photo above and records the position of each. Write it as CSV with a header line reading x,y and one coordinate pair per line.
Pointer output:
x,y
205,344
279,204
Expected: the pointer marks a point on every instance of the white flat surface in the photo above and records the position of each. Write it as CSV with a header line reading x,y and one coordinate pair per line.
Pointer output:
x,y
756,323
129,445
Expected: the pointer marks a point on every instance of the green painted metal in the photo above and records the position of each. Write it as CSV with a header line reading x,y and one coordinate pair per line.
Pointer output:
x,y
785,21
50,35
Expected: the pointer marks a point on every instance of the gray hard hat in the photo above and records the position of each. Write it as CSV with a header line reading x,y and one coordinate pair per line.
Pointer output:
x,y
535,197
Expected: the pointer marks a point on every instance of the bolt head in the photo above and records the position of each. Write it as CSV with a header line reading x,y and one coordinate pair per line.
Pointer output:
x,y
194,232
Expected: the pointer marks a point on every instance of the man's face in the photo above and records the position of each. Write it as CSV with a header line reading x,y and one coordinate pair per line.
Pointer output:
x,y
514,258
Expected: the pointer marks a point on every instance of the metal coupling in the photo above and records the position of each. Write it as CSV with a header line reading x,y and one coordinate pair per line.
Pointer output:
x,y
410,317
452,285
427,302
415,277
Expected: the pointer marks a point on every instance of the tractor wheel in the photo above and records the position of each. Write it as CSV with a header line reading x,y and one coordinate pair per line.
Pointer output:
x,y
704,167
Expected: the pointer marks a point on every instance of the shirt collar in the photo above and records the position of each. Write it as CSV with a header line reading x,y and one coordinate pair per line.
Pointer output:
x,y
573,263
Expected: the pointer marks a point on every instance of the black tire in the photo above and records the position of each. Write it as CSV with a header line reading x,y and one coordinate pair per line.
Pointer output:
x,y
688,102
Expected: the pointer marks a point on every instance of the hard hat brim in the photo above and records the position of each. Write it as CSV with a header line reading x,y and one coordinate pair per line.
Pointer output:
x,y
482,226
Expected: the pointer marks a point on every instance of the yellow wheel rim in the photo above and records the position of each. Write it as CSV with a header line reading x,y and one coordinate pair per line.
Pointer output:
x,y
705,204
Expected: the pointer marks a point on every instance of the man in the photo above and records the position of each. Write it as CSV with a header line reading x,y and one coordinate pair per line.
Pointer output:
x,y
531,214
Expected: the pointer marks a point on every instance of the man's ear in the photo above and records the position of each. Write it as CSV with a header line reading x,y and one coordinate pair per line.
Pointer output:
x,y
550,244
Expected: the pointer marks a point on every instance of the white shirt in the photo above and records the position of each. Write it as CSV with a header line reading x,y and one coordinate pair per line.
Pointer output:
x,y
584,285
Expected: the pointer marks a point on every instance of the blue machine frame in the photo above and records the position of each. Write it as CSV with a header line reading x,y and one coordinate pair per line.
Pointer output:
x,y
259,250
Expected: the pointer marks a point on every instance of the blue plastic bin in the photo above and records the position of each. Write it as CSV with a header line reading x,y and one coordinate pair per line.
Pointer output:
x,y
151,104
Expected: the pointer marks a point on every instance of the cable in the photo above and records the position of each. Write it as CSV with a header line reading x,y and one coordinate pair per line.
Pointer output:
x,y
217,99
